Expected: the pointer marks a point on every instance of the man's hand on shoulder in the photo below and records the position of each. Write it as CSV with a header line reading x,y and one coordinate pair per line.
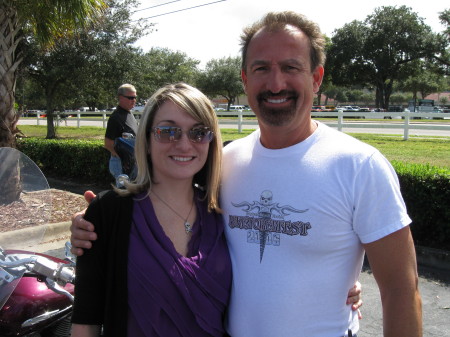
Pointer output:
x,y
82,231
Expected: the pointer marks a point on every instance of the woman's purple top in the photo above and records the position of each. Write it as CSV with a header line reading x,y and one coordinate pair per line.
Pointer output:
x,y
172,295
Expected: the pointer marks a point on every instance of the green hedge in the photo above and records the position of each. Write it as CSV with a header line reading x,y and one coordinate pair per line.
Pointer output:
x,y
79,160
426,189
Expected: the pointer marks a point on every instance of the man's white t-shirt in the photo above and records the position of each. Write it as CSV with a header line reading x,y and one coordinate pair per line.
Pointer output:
x,y
295,220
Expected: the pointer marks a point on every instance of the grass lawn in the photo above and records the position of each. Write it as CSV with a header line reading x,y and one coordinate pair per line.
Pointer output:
x,y
419,150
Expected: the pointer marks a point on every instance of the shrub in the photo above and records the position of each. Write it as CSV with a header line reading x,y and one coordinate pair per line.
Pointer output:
x,y
426,190
80,160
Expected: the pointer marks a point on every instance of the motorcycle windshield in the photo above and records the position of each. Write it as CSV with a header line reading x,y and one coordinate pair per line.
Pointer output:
x,y
25,205
9,279
25,200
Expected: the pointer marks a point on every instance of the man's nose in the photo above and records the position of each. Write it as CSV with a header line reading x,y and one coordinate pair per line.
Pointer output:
x,y
276,81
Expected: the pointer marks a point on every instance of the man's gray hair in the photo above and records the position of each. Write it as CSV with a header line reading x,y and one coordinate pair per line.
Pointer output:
x,y
275,21
124,88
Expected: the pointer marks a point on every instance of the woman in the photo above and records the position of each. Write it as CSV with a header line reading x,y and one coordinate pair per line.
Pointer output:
x,y
160,266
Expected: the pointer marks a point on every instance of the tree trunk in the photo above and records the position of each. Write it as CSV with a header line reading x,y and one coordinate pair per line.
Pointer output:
x,y
387,91
10,176
9,62
51,134
383,94
378,101
319,97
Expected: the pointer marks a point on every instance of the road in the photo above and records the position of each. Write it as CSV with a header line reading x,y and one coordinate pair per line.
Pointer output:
x,y
233,125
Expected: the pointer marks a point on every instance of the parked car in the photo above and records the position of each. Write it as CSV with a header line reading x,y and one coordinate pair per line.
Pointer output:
x,y
317,108
236,107
349,108
139,108
32,113
395,108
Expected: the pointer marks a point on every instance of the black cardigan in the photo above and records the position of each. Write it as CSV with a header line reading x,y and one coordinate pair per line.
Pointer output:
x,y
101,272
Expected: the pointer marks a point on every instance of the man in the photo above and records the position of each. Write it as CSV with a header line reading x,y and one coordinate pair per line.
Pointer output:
x,y
121,121
302,202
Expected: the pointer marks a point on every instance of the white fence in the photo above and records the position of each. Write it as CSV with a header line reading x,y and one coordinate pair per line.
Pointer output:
x,y
395,120
339,119
405,117
63,117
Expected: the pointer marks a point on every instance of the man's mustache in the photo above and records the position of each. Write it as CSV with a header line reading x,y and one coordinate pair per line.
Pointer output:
x,y
282,94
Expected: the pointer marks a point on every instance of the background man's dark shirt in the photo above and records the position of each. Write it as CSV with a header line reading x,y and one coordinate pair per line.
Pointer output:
x,y
120,121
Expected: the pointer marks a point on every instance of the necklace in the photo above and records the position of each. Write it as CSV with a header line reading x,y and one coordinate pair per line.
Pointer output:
x,y
187,225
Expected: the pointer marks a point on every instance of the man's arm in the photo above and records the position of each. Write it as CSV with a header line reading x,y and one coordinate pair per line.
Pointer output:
x,y
83,330
393,263
82,231
109,145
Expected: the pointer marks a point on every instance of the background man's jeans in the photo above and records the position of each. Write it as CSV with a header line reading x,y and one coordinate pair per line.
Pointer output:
x,y
115,167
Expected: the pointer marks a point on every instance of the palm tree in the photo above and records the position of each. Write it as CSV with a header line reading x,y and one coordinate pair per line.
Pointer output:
x,y
47,21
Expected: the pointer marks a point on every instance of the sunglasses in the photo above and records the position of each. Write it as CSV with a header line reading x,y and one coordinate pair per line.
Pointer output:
x,y
130,97
170,134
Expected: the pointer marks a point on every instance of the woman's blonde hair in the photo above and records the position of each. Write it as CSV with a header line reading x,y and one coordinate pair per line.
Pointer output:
x,y
198,106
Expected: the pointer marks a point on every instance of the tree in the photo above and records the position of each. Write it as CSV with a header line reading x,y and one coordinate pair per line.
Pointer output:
x,y
56,73
161,66
327,84
444,17
367,98
375,52
330,91
90,65
425,78
445,20
222,77
112,58
341,96
48,21
399,98
424,83
355,95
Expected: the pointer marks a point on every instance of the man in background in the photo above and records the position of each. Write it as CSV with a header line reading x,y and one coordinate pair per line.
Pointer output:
x,y
121,121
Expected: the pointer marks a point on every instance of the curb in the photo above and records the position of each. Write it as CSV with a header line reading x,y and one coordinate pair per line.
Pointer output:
x,y
34,236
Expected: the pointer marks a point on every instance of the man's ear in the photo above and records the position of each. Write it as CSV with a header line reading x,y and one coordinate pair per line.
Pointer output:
x,y
244,79
317,78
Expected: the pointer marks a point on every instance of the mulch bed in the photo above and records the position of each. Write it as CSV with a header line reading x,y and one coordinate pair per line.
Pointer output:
x,y
39,208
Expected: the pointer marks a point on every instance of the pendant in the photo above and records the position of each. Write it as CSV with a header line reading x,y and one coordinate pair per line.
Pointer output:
x,y
187,227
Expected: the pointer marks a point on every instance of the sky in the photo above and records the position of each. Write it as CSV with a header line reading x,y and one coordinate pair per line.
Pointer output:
x,y
212,31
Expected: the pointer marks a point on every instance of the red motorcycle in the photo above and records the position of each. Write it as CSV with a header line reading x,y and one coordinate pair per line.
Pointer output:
x,y
36,290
